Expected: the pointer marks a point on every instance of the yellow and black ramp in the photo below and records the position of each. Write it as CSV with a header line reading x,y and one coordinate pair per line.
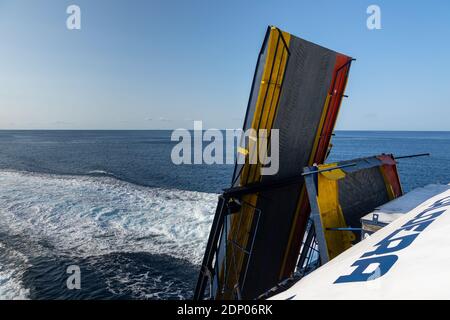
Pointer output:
x,y
255,239
342,193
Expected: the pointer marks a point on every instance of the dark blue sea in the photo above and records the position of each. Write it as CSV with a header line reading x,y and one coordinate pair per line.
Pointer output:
x,y
112,203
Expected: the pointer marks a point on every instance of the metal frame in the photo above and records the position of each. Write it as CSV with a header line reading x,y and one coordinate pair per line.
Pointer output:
x,y
311,175
211,266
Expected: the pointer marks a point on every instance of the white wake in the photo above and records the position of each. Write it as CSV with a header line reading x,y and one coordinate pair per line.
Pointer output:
x,y
85,216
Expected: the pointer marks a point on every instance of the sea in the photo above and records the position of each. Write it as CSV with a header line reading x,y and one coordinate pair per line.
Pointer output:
x,y
113,204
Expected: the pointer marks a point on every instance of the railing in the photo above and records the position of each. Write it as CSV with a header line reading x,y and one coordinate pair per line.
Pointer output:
x,y
219,267
309,259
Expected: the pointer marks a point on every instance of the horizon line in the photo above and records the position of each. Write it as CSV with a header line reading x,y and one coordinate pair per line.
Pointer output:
x,y
221,129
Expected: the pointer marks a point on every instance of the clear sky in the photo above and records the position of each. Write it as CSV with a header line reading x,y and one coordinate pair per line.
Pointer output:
x,y
147,64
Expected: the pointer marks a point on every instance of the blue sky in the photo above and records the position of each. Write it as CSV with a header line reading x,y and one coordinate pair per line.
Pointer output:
x,y
148,64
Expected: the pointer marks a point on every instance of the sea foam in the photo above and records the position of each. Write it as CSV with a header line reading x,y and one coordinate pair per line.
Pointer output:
x,y
90,216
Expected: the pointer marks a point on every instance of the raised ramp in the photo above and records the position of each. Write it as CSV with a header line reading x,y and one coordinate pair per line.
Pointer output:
x,y
298,87
342,193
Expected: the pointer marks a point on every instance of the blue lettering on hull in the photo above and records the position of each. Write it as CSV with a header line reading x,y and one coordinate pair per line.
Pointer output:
x,y
382,259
